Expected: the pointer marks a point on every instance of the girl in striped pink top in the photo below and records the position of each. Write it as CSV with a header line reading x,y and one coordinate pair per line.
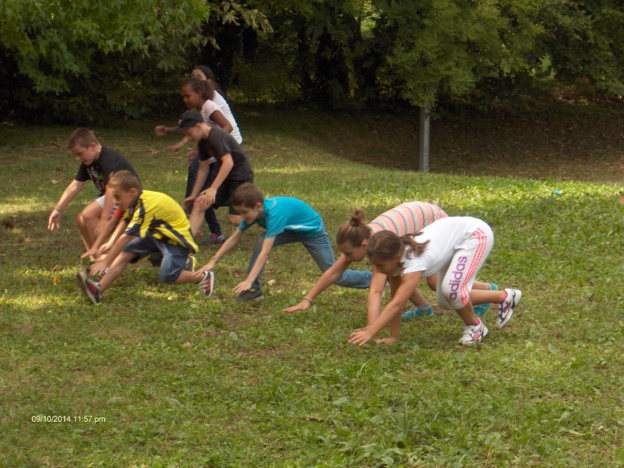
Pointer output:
x,y
352,239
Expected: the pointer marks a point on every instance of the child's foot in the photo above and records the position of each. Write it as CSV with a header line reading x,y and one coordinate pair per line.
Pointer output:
x,y
206,285
213,239
473,333
250,295
191,263
416,312
155,259
481,309
506,307
90,288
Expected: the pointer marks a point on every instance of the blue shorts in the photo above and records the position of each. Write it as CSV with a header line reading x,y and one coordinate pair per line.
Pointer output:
x,y
174,256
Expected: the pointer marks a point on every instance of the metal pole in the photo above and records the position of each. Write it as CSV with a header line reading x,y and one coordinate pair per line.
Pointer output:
x,y
423,140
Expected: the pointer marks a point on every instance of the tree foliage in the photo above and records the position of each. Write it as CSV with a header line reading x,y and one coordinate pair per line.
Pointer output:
x,y
57,47
76,59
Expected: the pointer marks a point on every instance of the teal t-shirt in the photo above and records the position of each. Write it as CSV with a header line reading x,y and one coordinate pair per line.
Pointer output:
x,y
287,214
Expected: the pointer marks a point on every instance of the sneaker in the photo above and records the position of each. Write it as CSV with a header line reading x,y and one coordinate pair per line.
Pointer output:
x,y
473,333
250,295
416,312
191,263
206,285
213,239
89,287
481,309
506,308
155,259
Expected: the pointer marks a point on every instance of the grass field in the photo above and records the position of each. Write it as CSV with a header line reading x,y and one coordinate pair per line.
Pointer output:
x,y
158,376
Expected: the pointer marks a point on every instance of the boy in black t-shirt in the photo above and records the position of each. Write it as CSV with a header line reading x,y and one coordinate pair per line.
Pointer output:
x,y
97,163
214,144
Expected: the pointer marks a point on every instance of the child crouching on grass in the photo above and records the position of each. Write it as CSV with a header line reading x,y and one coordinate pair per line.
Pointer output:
x,y
153,222
286,220
456,249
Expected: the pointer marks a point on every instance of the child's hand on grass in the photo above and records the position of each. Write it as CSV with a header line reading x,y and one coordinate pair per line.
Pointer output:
x,y
303,305
360,337
160,130
242,287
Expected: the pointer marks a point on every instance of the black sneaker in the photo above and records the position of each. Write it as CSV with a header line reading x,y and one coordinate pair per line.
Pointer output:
x,y
250,295
90,288
155,258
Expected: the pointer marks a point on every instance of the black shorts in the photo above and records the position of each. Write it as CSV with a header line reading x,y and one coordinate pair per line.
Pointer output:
x,y
224,194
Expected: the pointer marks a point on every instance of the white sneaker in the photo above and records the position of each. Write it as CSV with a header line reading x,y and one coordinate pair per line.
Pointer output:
x,y
506,308
473,333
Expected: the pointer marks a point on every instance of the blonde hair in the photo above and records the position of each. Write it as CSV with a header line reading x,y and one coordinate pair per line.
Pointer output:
x,y
386,245
124,181
355,231
82,137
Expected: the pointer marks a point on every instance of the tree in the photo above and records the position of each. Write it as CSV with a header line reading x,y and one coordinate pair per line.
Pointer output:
x,y
56,45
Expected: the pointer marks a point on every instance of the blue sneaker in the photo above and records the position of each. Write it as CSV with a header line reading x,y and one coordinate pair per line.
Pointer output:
x,y
481,309
416,312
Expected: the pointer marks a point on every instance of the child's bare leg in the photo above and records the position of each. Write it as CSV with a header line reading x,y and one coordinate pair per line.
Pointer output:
x,y
197,217
116,269
88,220
486,296
188,277
234,219
418,299
467,314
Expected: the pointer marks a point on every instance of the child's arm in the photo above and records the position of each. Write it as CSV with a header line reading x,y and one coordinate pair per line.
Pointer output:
x,y
228,245
375,294
179,144
392,309
119,230
70,192
325,281
161,130
220,119
202,175
100,266
207,197
267,245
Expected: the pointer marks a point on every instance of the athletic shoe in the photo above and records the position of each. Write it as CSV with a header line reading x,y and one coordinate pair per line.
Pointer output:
x,y
416,312
506,307
155,259
250,295
90,288
481,309
191,264
213,239
473,333
206,285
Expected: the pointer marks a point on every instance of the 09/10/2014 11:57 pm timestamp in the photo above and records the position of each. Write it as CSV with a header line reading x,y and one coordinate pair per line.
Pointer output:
x,y
42,418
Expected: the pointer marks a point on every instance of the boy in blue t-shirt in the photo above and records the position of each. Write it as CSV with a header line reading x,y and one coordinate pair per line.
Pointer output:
x,y
286,220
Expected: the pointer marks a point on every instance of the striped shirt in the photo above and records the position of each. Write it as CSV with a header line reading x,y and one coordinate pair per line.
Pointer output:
x,y
161,216
407,218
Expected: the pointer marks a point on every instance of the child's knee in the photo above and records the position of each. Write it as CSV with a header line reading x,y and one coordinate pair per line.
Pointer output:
x,y
234,220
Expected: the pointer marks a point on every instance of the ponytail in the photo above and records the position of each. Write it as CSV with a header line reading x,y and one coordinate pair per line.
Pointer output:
x,y
355,231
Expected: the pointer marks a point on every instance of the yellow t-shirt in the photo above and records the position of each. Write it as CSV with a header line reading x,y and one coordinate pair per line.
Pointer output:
x,y
163,217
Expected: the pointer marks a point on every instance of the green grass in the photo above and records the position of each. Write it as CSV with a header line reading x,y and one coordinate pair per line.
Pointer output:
x,y
158,376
